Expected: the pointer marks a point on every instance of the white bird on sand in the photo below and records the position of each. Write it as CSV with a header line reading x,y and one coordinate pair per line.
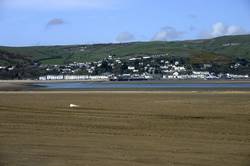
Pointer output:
x,y
73,106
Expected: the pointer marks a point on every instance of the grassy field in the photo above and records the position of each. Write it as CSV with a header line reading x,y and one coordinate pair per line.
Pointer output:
x,y
125,128
199,51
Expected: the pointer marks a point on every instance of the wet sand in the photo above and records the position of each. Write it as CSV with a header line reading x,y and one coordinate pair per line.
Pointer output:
x,y
125,128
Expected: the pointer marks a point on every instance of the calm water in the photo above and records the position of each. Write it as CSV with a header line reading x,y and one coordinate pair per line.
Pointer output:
x,y
107,85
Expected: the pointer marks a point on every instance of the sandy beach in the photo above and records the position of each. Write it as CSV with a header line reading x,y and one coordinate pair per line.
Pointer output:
x,y
125,128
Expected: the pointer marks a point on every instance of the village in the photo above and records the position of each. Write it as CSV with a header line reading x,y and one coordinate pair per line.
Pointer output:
x,y
156,67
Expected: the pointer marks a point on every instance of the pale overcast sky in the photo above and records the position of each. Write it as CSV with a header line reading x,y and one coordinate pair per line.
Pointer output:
x,y
51,22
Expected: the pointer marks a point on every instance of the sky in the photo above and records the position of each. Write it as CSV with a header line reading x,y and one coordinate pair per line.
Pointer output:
x,y
60,22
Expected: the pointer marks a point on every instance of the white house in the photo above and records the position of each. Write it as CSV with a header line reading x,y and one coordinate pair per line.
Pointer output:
x,y
54,77
76,77
98,78
131,68
43,78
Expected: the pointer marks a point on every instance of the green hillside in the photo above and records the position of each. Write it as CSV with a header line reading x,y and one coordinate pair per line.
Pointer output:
x,y
217,49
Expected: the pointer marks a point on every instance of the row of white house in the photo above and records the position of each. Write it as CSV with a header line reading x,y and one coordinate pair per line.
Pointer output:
x,y
234,76
74,77
194,75
203,75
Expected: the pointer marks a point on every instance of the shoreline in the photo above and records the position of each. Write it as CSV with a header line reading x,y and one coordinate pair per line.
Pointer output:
x,y
149,81
213,92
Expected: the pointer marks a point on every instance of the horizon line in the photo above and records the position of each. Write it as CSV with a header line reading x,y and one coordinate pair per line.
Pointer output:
x,y
117,43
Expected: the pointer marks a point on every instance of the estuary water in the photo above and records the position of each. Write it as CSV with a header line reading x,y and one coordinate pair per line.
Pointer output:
x,y
142,85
